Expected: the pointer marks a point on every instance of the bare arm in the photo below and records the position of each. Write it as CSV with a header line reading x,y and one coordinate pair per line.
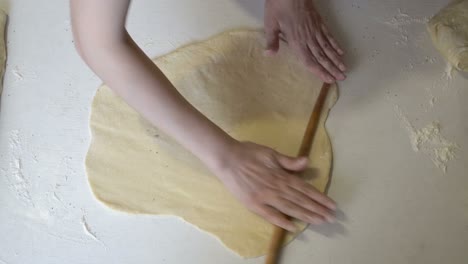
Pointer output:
x,y
256,175
105,45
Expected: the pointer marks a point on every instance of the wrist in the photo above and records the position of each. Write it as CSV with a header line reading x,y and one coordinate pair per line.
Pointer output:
x,y
218,153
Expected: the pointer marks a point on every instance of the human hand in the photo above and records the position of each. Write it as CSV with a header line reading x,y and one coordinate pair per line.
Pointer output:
x,y
262,180
298,22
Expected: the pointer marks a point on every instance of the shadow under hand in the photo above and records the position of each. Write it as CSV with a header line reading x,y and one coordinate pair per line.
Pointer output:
x,y
331,229
328,230
309,174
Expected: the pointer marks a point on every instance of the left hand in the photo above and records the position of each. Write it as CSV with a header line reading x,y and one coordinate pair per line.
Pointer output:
x,y
303,29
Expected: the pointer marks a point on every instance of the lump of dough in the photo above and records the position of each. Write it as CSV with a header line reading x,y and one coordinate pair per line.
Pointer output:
x,y
449,32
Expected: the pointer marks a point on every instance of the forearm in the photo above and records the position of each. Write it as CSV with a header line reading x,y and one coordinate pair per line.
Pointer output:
x,y
135,78
123,66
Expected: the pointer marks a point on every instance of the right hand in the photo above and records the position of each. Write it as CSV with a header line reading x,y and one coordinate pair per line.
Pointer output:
x,y
262,180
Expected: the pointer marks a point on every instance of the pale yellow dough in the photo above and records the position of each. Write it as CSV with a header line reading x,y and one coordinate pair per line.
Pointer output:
x,y
135,168
449,32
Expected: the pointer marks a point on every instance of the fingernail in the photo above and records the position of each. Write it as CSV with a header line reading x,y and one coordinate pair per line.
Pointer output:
x,y
268,53
316,221
342,77
340,51
342,67
319,221
331,219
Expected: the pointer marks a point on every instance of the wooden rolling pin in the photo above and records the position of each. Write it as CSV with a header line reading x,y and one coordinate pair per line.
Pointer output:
x,y
279,233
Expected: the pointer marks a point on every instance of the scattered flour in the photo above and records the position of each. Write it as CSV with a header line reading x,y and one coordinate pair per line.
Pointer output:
x,y
403,19
17,182
21,74
429,141
400,21
432,101
20,183
448,71
88,231
440,84
373,55
16,72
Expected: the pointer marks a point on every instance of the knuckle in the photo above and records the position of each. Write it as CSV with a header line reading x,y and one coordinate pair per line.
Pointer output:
x,y
335,59
292,180
324,73
321,57
267,153
251,202
299,182
278,221
311,64
300,215
271,152
256,197
315,220
274,218
297,200
282,185
311,190
262,195
293,39
304,52
318,209
327,64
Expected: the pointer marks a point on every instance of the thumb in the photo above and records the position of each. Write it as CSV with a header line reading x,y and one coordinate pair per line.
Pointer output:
x,y
291,163
272,40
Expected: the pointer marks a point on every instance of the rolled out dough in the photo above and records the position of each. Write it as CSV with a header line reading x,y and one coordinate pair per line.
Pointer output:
x,y
135,168
449,32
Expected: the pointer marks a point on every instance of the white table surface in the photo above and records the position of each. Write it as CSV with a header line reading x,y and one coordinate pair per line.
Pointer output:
x,y
398,206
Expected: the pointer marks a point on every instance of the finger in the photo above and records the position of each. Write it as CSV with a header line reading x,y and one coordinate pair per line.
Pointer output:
x,y
330,52
291,163
275,217
282,37
332,40
300,198
310,191
296,211
326,63
308,59
272,40
272,31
